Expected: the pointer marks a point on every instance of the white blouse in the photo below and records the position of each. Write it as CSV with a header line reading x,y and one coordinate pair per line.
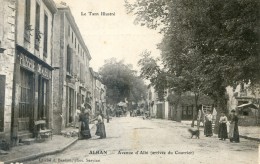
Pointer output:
x,y
100,118
223,119
208,117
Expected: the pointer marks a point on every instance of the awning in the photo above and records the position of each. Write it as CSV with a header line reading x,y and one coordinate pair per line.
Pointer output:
x,y
250,105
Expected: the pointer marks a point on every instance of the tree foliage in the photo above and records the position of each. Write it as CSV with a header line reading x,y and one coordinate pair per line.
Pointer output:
x,y
122,82
207,45
223,34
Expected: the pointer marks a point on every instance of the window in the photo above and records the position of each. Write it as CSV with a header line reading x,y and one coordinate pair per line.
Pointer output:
x,y
69,60
27,12
45,45
37,27
68,30
245,113
27,26
72,37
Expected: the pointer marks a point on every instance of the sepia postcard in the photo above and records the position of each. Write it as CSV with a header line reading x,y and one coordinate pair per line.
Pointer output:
x,y
129,81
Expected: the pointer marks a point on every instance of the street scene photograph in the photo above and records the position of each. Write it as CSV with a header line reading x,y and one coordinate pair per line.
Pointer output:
x,y
129,81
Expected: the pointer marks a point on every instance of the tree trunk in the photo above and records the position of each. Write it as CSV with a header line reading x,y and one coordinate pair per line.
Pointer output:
x,y
194,116
221,106
178,108
179,112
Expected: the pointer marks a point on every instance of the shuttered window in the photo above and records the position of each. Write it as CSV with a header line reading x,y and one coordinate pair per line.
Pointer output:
x,y
37,27
2,101
69,60
45,45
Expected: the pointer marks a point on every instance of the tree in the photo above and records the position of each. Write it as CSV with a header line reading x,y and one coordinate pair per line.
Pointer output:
x,y
122,82
224,35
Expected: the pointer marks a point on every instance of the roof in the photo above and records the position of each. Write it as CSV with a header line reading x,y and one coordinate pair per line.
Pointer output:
x,y
51,5
250,105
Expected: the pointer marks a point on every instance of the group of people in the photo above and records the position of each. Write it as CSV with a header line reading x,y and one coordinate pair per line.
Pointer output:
x,y
223,134
82,122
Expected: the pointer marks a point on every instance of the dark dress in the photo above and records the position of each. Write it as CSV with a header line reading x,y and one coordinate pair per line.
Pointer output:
x,y
222,133
101,131
234,134
208,126
84,130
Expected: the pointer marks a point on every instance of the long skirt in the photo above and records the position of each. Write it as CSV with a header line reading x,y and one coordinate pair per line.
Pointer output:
x,y
77,121
101,131
85,131
222,133
233,133
208,128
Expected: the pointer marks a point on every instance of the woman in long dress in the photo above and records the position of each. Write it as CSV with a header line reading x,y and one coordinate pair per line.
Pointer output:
x,y
222,134
233,128
101,131
78,112
208,124
84,128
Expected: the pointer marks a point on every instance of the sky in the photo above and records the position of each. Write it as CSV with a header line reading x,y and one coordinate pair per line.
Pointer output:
x,y
112,36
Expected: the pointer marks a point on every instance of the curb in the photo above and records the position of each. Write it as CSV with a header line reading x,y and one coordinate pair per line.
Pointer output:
x,y
250,138
51,152
32,157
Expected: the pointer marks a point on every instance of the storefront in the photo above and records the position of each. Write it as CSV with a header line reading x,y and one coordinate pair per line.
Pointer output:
x,y
32,94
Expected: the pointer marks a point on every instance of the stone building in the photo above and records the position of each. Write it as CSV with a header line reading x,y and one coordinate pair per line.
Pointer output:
x,y
246,101
33,65
26,33
92,92
71,58
7,59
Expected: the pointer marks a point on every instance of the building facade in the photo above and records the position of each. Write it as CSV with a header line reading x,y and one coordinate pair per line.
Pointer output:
x,y
72,62
7,59
242,95
26,33
33,66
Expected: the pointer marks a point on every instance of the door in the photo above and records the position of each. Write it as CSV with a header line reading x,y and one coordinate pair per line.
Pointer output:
x,y
25,113
70,105
43,93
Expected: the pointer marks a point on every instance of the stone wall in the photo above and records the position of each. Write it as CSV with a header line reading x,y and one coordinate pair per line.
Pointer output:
x,y
7,39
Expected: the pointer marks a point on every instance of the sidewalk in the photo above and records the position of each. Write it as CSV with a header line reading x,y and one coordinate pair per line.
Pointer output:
x,y
28,152
247,132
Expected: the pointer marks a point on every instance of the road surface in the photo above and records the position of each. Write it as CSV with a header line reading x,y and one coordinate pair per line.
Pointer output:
x,y
134,140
